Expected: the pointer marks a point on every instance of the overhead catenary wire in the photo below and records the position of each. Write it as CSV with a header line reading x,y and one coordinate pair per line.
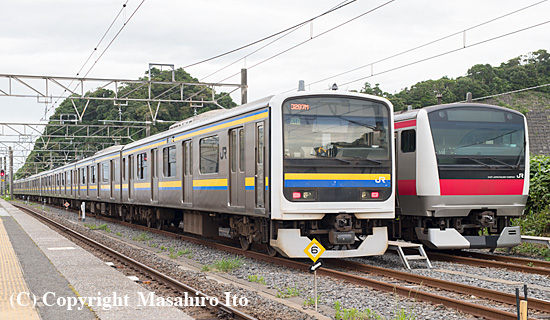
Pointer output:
x,y
510,92
429,43
283,34
448,52
300,44
106,48
339,6
313,37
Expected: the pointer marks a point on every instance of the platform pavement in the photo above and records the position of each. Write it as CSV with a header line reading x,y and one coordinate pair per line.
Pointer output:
x,y
56,270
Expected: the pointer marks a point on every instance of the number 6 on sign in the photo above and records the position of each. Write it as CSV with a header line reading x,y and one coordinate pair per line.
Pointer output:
x,y
314,250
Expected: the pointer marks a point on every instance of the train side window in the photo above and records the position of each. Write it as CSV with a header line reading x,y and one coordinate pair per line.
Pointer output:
x,y
408,141
169,161
142,166
105,173
209,149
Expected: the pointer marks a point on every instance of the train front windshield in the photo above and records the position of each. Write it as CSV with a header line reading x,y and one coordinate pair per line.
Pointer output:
x,y
478,137
336,128
335,148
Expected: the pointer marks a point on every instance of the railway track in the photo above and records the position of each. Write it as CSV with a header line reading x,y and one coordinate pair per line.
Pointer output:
x,y
457,304
494,261
157,276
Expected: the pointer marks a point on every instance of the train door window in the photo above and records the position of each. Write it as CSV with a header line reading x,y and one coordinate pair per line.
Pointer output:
x,y
233,150
70,181
141,166
112,176
187,183
92,174
408,141
169,161
154,163
105,172
241,150
83,175
131,177
260,176
131,167
209,149
124,169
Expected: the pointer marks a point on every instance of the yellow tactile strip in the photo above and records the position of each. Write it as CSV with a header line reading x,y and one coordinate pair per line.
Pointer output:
x,y
12,283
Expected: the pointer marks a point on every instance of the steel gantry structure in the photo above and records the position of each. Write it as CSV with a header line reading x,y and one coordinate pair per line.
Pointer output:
x,y
63,137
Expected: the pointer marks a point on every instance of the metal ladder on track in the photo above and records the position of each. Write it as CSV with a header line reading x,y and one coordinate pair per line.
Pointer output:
x,y
399,245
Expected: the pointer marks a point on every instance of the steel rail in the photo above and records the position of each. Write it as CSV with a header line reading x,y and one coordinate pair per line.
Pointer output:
x,y
173,283
536,304
466,307
514,260
489,263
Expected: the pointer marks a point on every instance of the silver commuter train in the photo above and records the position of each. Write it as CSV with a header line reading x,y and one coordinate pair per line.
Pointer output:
x,y
278,171
462,174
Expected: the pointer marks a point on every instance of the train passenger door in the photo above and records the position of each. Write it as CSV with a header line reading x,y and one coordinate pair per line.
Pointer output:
x,y
154,176
236,167
260,175
187,185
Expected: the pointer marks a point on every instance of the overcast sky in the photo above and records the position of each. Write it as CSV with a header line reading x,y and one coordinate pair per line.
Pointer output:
x,y
55,37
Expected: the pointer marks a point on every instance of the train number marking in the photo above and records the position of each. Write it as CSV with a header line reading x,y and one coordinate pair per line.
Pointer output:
x,y
314,250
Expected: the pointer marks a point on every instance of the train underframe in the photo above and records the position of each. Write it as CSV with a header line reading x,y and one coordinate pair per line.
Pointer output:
x,y
341,235
481,229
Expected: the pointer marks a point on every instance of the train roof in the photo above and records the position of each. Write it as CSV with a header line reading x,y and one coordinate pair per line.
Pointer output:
x,y
411,114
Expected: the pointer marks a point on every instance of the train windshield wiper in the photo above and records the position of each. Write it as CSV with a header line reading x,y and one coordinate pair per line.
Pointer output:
x,y
475,160
363,159
501,162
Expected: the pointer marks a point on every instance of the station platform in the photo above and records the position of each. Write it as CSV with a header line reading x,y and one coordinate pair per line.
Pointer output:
x,y
42,274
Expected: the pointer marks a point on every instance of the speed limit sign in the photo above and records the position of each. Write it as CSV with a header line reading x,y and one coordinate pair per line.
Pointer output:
x,y
314,250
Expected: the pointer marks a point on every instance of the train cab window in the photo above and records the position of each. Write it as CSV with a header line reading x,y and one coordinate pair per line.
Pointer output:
x,y
408,141
209,150
169,161
92,174
141,166
105,172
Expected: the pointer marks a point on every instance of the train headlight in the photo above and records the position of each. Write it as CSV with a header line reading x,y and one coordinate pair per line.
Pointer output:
x,y
368,194
304,195
308,195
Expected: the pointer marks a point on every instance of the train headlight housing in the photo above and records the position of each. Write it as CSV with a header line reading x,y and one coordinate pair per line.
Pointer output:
x,y
369,194
304,195
308,195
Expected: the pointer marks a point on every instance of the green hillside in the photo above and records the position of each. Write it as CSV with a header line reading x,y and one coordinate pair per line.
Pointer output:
x,y
481,80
